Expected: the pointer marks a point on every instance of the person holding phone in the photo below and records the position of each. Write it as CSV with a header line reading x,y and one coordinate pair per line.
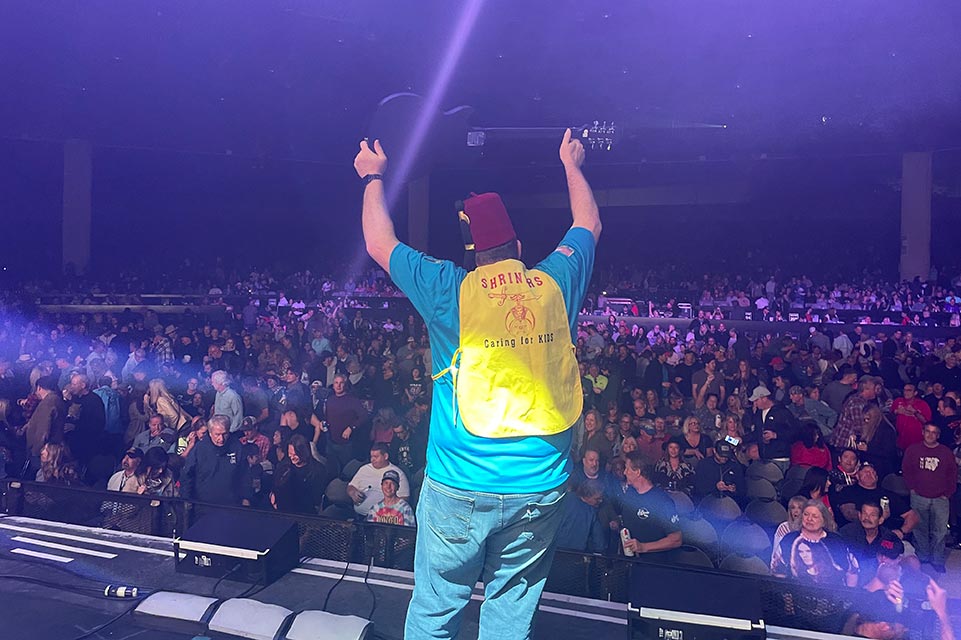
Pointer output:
x,y
721,474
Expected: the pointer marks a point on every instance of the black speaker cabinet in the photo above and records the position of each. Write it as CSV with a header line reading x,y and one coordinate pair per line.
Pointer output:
x,y
251,547
680,603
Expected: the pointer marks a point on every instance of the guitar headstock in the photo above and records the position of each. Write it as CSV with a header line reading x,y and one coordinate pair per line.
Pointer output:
x,y
598,136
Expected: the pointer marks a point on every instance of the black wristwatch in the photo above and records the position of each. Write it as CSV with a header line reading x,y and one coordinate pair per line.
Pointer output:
x,y
370,177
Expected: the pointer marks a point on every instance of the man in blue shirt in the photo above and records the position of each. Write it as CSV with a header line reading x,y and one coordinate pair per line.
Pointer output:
x,y
490,504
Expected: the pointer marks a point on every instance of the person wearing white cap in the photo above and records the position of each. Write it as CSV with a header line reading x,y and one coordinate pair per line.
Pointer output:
x,y
775,428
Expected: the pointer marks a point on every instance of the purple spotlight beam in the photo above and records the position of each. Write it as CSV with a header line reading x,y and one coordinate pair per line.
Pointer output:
x,y
455,49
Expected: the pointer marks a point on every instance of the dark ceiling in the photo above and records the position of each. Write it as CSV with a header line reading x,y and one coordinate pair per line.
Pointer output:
x,y
299,79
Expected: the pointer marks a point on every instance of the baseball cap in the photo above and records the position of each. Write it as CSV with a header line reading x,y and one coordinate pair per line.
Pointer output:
x,y
134,452
776,360
390,474
796,389
759,392
723,448
866,378
890,546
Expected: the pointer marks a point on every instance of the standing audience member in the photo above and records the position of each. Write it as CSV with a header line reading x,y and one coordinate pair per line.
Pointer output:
x,y
878,442
775,428
931,474
299,481
227,402
648,513
214,469
86,420
345,418
581,528
911,414
46,423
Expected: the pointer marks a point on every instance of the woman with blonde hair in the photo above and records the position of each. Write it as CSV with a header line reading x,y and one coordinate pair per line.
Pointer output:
x,y
694,444
159,401
793,522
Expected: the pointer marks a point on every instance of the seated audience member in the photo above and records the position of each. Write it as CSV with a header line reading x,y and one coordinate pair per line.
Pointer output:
x,y
156,435
364,488
673,473
407,450
815,553
846,473
694,444
897,597
126,479
898,515
258,483
56,467
648,513
865,537
720,475
188,436
793,523
815,486
215,467
392,509
810,450
651,446
251,435
581,528
155,477
590,468
299,481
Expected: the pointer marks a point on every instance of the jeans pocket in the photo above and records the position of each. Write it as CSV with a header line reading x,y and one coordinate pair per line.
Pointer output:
x,y
448,515
536,513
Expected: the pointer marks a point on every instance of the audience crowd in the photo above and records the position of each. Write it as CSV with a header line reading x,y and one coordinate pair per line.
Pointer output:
x,y
829,459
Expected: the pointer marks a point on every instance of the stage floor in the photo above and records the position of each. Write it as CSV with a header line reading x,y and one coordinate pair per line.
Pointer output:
x,y
28,547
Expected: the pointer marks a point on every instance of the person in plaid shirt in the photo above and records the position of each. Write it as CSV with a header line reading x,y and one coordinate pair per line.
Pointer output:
x,y
848,430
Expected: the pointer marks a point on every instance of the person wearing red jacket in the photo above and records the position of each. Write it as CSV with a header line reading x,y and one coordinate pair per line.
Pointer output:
x,y
931,473
810,450
911,413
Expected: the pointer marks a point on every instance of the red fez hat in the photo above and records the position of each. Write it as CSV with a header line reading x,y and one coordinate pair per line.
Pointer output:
x,y
490,226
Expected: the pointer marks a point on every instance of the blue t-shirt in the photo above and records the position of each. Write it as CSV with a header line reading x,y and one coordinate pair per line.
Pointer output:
x,y
455,456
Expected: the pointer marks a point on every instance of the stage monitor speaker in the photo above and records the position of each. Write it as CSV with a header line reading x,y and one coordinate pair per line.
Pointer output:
x,y
677,603
250,547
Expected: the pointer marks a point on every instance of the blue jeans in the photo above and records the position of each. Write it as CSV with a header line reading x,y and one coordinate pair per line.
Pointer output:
x,y
931,531
507,541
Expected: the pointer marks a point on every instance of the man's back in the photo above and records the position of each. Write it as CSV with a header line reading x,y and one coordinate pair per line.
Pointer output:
x,y
454,455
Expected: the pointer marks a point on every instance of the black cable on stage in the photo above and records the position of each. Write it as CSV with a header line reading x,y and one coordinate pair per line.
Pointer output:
x,y
235,569
106,624
100,581
93,592
336,584
373,605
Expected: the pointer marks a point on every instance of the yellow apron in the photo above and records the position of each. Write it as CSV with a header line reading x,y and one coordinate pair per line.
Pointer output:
x,y
516,375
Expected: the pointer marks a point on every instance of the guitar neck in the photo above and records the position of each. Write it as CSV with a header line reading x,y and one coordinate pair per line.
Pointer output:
x,y
596,137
